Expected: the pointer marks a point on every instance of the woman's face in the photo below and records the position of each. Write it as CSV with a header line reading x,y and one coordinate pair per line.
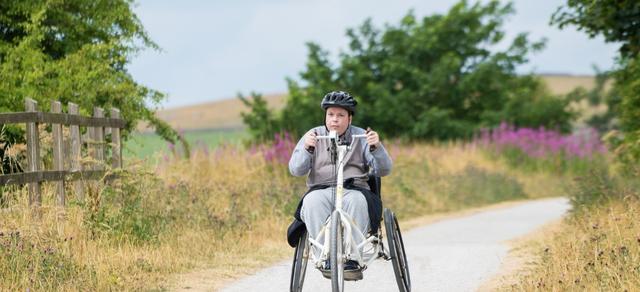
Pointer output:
x,y
337,119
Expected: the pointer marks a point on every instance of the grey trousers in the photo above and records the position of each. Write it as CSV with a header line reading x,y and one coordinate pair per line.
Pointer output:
x,y
318,205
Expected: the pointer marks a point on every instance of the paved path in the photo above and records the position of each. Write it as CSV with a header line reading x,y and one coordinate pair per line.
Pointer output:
x,y
452,255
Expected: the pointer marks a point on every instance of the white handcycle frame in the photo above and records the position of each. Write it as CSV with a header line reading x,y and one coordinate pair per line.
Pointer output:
x,y
362,256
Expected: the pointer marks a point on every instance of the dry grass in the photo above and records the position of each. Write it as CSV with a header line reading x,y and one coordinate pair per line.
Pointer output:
x,y
133,235
224,212
596,250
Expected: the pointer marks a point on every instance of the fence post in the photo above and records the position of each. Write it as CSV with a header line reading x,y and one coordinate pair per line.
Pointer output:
x,y
99,140
76,146
116,150
58,156
33,154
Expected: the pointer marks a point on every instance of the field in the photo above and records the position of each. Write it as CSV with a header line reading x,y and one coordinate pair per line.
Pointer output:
x,y
563,84
149,145
219,115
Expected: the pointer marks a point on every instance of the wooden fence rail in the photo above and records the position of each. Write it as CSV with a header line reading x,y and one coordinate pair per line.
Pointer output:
x,y
71,157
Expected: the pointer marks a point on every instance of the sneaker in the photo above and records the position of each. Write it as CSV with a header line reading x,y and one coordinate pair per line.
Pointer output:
x,y
326,270
352,271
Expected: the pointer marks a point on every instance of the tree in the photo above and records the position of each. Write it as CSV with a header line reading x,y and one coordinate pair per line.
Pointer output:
x,y
432,78
601,95
74,51
617,21
260,120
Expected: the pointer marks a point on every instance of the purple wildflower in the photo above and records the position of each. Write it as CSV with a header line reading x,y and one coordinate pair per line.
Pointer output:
x,y
542,143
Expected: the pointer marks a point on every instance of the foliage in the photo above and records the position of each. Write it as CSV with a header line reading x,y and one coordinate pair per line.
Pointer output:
x,y
599,96
617,22
74,51
536,109
628,80
260,120
438,77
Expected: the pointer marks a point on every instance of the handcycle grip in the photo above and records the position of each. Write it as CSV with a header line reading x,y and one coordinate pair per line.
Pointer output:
x,y
330,136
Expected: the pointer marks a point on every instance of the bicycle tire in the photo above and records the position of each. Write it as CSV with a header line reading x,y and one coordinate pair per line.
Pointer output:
x,y
397,252
299,266
336,253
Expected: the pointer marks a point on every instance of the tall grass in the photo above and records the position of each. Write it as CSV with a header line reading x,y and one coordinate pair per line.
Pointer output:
x,y
151,223
225,208
597,247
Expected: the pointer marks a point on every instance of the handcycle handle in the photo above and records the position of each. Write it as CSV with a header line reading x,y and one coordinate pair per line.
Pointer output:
x,y
334,135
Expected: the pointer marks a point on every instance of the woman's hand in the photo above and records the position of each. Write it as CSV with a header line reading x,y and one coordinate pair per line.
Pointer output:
x,y
310,140
372,139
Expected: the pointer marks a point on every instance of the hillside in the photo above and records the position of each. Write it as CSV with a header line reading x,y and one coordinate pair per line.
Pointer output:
x,y
225,114
221,115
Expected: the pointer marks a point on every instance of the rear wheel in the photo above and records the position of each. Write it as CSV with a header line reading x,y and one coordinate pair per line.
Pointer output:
x,y
396,251
299,267
336,254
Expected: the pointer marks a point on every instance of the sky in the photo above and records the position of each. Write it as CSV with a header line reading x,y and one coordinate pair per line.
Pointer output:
x,y
213,50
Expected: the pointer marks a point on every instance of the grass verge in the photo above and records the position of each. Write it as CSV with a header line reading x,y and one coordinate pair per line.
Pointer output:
x,y
596,248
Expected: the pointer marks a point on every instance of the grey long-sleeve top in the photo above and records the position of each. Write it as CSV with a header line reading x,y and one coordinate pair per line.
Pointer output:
x,y
359,161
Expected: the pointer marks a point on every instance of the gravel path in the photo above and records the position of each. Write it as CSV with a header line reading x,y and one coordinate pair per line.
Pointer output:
x,y
451,255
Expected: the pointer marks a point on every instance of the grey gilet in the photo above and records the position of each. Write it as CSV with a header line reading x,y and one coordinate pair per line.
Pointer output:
x,y
359,161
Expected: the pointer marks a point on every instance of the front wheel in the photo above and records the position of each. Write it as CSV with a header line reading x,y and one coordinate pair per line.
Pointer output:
x,y
299,267
336,254
396,251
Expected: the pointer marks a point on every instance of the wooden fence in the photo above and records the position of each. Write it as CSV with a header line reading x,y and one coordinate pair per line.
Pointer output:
x,y
70,156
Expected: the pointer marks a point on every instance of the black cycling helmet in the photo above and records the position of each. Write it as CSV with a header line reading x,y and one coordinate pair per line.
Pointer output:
x,y
340,99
